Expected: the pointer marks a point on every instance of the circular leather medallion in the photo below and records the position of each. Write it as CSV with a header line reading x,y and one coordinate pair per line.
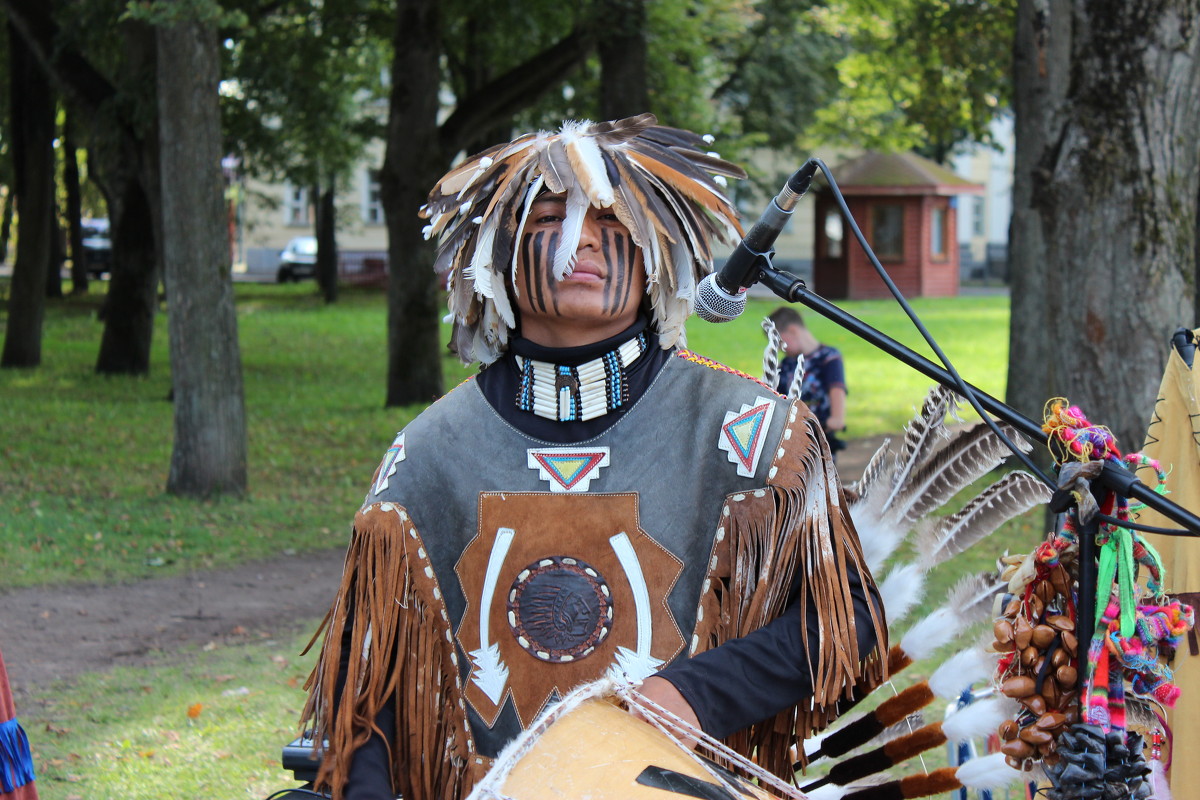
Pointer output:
x,y
560,609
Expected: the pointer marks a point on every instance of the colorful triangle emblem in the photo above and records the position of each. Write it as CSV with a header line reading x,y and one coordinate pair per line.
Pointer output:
x,y
743,434
568,469
394,455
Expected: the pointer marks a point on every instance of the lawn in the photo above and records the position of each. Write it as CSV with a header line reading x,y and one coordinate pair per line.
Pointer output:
x,y
83,464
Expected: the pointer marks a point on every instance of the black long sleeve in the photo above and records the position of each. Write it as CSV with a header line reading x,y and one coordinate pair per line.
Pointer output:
x,y
754,677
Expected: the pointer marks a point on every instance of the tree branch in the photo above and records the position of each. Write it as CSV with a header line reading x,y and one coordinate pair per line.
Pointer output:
x,y
66,66
499,99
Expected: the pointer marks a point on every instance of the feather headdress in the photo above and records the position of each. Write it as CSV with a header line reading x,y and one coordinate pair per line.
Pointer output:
x,y
659,182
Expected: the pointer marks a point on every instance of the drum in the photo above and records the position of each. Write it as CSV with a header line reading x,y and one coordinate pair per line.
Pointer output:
x,y
597,750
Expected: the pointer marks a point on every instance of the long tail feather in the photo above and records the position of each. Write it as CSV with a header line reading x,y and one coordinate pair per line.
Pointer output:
x,y
920,435
965,458
957,673
940,539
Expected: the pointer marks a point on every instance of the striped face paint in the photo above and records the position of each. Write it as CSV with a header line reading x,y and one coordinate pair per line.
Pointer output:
x,y
602,293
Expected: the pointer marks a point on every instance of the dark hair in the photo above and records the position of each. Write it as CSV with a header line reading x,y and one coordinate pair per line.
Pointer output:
x,y
785,316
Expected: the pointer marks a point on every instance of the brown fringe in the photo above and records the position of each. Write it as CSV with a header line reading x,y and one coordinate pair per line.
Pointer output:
x,y
798,525
389,585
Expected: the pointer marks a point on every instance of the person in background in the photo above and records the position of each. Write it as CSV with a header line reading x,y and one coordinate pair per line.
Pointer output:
x,y
598,501
823,383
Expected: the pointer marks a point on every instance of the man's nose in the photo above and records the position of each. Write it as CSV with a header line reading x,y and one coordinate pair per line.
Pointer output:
x,y
590,233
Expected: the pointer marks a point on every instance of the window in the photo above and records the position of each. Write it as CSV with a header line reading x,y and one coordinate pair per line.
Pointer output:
x,y
977,209
833,234
937,233
295,206
372,206
887,230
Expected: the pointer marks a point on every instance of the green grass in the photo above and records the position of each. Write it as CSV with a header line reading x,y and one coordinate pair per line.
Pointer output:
x,y
83,462
883,392
127,733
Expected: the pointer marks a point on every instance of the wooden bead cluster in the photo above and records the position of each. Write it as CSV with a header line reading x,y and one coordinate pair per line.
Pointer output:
x,y
1038,667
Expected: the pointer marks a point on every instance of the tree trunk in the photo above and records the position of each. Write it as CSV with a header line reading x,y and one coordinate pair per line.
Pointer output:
x,y
1107,98
413,162
32,109
79,273
621,45
209,453
127,169
58,254
327,250
6,223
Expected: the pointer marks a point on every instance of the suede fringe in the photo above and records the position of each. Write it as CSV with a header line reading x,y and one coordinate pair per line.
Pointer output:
x,y
797,527
389,624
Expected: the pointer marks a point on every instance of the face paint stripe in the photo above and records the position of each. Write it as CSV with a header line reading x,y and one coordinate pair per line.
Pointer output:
x,y
624,279
526,265
551,283
535,258
606,253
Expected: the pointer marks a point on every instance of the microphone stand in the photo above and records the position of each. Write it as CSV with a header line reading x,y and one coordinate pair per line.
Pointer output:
x,y
1113,478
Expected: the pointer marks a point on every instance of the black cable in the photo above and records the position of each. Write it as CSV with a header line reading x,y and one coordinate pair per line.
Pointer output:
x,y
963,388
299,790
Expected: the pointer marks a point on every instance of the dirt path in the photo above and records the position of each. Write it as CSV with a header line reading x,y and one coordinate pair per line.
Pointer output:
x,y
54,633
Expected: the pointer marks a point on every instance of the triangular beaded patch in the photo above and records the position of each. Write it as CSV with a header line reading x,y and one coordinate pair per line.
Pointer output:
x,y
568,469
743,433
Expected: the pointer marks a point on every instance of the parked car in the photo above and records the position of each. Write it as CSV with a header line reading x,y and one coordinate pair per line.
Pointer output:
x,y
97,247
298,260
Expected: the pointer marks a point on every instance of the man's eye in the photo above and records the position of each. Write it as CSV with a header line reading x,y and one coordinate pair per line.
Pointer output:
x,y
548,219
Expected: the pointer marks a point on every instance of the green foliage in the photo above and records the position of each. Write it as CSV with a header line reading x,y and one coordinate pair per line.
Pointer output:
x,y
921,74
303,89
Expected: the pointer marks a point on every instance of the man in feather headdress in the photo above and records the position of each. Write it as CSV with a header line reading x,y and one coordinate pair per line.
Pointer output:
x,y
597,501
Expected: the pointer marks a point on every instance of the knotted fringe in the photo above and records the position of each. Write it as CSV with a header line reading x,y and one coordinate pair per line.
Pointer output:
x,y
390,626
795,528
16,762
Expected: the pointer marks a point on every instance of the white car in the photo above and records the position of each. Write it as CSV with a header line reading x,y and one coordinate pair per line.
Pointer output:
x,y
298,260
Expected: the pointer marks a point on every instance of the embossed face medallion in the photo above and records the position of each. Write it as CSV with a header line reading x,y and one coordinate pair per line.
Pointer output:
x,y
559,609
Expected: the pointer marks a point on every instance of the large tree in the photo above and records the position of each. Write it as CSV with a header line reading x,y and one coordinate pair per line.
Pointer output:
x,y
32,106
209,452
1103,248
106,72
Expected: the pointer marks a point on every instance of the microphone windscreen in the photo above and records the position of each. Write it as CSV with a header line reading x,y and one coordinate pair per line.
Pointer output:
x,y
714,304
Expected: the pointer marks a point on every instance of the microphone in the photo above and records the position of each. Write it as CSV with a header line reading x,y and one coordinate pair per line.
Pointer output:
x,y
721,296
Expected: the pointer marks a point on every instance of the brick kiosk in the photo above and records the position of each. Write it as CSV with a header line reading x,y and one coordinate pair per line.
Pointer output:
x,y
906,207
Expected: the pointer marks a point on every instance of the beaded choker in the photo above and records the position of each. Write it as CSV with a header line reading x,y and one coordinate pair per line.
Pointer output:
x,y
578,393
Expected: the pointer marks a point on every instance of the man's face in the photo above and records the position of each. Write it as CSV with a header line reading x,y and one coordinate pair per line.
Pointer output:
x,y
599,299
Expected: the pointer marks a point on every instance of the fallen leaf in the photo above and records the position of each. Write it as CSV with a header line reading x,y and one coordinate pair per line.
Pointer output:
x,y
194,710
238,630
209,647
146,753
223,678
52,728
